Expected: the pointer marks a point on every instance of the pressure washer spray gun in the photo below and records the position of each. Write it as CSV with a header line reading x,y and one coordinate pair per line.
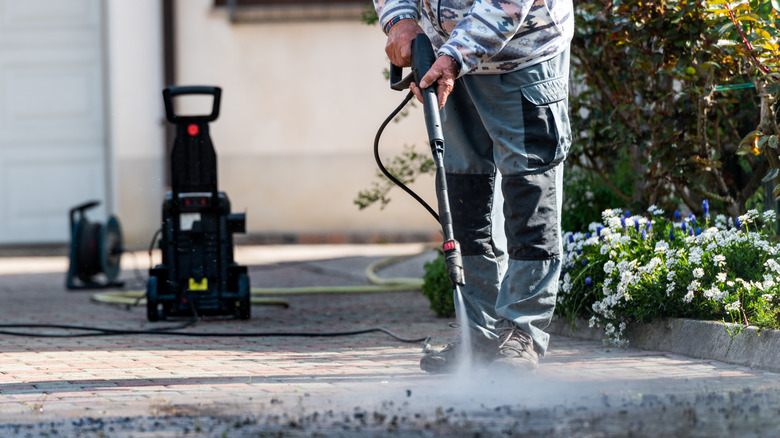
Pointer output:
x,y
422,60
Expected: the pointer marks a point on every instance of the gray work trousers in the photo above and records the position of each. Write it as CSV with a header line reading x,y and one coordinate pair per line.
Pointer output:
x,y
507,136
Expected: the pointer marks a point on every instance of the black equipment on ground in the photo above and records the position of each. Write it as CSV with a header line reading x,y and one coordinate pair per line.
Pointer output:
x,y
422,60
198,276
95,250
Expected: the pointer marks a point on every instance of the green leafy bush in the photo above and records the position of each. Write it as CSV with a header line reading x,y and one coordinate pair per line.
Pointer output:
x,y
437,287
669,84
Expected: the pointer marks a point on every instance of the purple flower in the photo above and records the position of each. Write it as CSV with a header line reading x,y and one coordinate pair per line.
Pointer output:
x,y
684,227
677,216
623,223
706,205
587,235
588,283
737,223
584,262
692,217
628,214
698,231
671,234
644,234
598,230
571,238
649,227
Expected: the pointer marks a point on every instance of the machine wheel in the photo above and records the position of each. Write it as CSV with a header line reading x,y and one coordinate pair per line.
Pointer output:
x,y
152,303
244,310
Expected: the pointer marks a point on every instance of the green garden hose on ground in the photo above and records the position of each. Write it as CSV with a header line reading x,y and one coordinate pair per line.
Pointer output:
x,y
137,298
379,284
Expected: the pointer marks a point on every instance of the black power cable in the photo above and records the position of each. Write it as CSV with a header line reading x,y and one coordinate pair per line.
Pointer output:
x,y
173,331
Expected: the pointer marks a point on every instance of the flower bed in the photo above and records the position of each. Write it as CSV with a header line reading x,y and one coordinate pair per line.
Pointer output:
x,y
639,268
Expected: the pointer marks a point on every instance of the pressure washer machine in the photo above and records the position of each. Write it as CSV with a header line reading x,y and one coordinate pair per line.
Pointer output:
x,y
198,276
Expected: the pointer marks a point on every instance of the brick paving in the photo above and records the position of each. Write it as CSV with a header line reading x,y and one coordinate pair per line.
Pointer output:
x,y
45,380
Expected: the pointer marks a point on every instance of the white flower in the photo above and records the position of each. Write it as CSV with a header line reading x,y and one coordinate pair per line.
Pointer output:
x,y
651,266
733,307
769,281
698,272
719,260
609,267
719,295
773,265
655,211
695,255
721,277
608,213
661,246
566,286
769,216
767,297
688,297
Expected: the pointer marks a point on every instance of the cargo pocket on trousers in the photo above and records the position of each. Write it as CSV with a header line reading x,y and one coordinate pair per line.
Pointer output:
x,y
546,122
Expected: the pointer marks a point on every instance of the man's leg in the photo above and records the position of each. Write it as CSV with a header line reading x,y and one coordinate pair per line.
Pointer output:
x,y
476,203
526,113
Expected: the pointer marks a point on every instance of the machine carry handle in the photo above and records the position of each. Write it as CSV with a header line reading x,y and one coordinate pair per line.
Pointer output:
x,y
170,92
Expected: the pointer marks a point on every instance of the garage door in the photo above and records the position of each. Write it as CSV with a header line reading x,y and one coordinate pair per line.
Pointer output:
x,y
52,134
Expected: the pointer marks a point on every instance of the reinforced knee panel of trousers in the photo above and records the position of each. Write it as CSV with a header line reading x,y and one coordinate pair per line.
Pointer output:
x,y
531,213
471,201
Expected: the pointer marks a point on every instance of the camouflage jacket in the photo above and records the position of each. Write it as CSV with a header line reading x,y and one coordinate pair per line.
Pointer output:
x,y
489,36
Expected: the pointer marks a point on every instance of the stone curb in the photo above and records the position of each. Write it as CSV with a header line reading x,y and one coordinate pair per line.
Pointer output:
x,y
692,338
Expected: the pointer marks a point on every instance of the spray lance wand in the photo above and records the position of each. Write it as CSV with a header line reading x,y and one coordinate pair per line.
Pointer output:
x,y
422,60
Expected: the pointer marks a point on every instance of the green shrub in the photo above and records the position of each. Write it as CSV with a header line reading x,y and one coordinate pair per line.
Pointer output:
x,y
437,287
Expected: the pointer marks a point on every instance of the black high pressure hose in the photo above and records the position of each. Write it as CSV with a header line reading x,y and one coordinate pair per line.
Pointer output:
x,y
381,166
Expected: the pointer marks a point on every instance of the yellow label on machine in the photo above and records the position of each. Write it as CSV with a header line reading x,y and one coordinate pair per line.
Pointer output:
x,y
199,285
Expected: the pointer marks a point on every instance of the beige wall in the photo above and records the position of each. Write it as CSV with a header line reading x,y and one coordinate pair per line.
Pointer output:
x,y
134,57
301,104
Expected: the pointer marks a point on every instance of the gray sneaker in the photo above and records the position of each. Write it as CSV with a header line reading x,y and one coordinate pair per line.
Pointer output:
x,y
516,350
448,358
